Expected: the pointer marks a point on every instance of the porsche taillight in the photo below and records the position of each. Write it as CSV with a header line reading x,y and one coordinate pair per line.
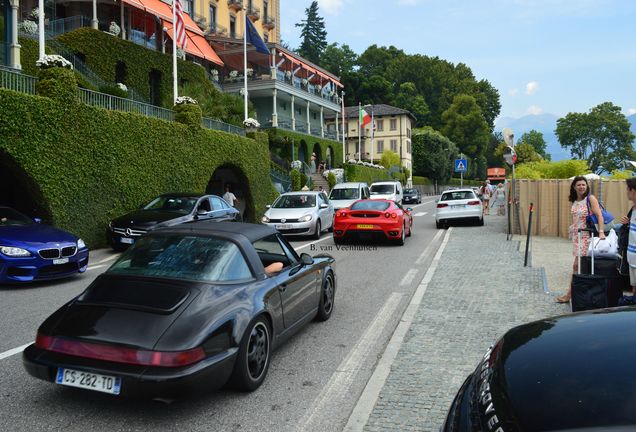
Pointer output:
x,y
118,354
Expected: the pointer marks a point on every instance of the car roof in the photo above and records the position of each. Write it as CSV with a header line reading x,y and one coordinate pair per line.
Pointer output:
x,y
236,230
458,190
385,182
302,193
348,185
183,195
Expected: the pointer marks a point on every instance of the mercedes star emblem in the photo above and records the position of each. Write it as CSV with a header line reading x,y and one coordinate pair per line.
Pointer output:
x,y
128,232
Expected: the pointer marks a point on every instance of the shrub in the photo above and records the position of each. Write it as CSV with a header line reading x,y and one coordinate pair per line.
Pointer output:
x,y
303,179
360,173
295,179
419,180
113,90
188,114
57,83
331,180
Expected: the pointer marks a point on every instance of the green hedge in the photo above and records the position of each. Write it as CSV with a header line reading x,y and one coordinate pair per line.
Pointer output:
x,y
89,165
361,173
283,148
419,180
457,182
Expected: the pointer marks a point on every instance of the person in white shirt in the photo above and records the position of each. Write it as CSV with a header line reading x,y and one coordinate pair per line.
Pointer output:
x,y
230,197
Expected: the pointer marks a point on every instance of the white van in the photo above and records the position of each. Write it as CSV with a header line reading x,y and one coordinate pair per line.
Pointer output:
x,y
344,194
390,190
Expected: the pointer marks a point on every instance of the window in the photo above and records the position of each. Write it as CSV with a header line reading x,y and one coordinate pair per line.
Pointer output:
x,y
213,17
121,72
380,125
394,145
380,146
393,124
362,149
408,133
217,204
265,9
271,250
408,147
232,26
189,7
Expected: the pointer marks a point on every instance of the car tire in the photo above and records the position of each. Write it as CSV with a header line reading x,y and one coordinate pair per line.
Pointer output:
x,y
238,218
439,224
402,238
410,229
253,357
327,298
318,230
481,221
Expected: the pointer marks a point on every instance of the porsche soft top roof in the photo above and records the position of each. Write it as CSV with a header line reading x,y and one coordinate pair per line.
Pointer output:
x,y
250,231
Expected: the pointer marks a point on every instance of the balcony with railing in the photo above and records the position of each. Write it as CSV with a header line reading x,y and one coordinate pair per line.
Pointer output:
x,y
64,25
314,89
14,80
269,22
217,30
236,5
253,13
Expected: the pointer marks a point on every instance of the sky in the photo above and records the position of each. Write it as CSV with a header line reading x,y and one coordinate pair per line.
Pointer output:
x,y
544,56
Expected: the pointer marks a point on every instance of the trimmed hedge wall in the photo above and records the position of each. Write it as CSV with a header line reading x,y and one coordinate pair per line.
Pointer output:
x,y
419,180
91,165
361,173
283,149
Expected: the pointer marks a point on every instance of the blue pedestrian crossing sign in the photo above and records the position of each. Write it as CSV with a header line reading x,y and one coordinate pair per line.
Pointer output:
x,y
461,165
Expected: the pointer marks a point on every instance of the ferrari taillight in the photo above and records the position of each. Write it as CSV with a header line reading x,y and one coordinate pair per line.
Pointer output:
x,y
343,214
387,215
119,354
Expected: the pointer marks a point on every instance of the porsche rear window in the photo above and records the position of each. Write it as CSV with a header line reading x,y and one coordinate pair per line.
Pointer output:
x,y
459,195
200,258
371,205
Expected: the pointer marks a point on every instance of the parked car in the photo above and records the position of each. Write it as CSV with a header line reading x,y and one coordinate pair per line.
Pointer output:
x,y
458,204
385,219
185,309
167,210
390,190
344,194
412,196
300,213
558,374
32,251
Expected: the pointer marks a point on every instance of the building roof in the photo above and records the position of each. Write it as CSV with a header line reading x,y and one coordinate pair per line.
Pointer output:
x,y
379,110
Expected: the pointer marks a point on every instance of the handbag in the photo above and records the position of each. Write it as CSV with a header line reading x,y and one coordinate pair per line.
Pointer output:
x,y
607,248
591,219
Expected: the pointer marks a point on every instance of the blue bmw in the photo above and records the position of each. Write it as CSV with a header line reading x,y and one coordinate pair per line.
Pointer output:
x,y
30,251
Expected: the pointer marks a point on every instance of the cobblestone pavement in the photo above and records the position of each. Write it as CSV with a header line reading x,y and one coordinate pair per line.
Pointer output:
x,y
479,290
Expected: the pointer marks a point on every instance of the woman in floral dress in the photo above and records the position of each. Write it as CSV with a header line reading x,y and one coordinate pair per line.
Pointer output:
x,y
580,197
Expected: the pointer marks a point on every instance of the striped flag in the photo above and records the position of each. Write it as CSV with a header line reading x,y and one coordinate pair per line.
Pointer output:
x,y
179,25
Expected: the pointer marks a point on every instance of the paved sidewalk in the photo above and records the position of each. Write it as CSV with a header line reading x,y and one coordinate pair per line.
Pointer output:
x,y
479,290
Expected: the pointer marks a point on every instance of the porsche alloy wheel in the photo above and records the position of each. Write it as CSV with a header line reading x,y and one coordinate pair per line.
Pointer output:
x,y
254,356
327,296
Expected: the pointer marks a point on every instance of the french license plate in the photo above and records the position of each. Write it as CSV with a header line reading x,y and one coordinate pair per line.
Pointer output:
x,y
365,226
89,381
283,226
127,240
458,206
60,261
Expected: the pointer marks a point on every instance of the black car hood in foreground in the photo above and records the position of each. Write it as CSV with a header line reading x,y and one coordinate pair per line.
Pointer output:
x,y
563,373
147,218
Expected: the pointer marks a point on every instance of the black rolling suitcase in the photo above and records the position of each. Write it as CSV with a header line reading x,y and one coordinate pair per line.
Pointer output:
x,y
594,290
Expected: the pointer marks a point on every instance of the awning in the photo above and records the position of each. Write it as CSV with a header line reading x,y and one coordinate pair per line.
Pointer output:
x,y
135,3
196,46
164,11
310,69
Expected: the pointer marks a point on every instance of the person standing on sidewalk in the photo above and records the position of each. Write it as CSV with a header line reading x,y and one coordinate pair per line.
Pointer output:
x,y
630,223
485,197
580,198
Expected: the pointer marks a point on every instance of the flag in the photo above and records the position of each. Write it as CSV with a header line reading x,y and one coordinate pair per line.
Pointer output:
x,y
365,118
179,31
252,37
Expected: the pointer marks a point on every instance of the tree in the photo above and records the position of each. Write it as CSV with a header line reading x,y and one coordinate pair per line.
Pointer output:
x,y
433,154
313,34
535,139
464,124
602,137
389,159
494,159
525,153
409,99
338,60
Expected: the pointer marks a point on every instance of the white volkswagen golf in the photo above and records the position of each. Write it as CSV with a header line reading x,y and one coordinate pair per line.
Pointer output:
x,y
458,204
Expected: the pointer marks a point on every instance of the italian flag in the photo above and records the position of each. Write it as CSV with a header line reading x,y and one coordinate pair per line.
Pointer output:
x,y
365,118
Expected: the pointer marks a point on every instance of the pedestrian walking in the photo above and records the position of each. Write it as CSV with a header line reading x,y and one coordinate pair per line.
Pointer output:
x,y
498,200
230,197
630,224
485,197
581,200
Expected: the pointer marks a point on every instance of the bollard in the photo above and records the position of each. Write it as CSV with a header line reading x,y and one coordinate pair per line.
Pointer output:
x,y
525,261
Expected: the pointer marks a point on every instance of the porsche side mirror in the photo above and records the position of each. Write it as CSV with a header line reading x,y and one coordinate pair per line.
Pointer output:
x,y
306,259
37,220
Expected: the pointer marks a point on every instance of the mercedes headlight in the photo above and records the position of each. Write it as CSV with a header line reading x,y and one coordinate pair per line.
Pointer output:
x,y
305,218
265,219
81,244
14,251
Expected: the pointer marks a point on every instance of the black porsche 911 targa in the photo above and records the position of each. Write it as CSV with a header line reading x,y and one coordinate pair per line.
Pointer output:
x,y
186,308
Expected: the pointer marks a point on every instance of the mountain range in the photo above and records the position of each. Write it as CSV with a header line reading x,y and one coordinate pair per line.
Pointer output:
x,y
546,124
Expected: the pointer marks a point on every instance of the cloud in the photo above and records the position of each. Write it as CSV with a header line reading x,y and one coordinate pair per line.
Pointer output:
x,y
513,92
532,87
332,7
534,110
631,111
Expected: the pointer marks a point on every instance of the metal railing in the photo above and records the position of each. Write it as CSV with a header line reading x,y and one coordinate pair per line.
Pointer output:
x,y
115,103
209,123
278,178
14,80
237,4
217,29
269,22
65,25
253,11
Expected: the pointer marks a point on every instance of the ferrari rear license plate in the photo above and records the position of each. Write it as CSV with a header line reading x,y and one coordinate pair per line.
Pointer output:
x,y
60,261
365,226
89,381
283,226
127,240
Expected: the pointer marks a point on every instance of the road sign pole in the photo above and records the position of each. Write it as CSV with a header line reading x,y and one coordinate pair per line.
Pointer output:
x,y
461,179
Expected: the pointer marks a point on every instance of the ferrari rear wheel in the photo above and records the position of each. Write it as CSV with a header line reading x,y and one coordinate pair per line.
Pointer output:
x,y
410,229
402,238
254,355
327,296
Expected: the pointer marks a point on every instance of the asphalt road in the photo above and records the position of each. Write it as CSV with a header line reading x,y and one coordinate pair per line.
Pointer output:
x,y
314,379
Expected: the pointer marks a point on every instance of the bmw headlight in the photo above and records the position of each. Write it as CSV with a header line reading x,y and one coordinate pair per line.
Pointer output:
x,y
14,251
81,244
305,218
265,219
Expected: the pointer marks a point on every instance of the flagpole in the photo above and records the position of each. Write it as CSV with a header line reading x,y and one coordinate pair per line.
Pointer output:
x,y
359,133
41,42
343,128
372,133
175,91
245,62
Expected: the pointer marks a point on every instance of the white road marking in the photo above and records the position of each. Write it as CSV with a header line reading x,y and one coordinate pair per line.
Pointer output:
x,y
408,277
420,214
424,254
96,267
313,242
13,351
337,389
371,392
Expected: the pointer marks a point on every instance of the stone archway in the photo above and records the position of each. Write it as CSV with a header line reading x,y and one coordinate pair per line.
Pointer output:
x,y
18,190
232,175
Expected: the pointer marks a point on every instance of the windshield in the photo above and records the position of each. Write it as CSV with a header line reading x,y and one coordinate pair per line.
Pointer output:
x,y
345,194
180,204
295,201
459,195
410,192
382,189
371,205
206,259
8,216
